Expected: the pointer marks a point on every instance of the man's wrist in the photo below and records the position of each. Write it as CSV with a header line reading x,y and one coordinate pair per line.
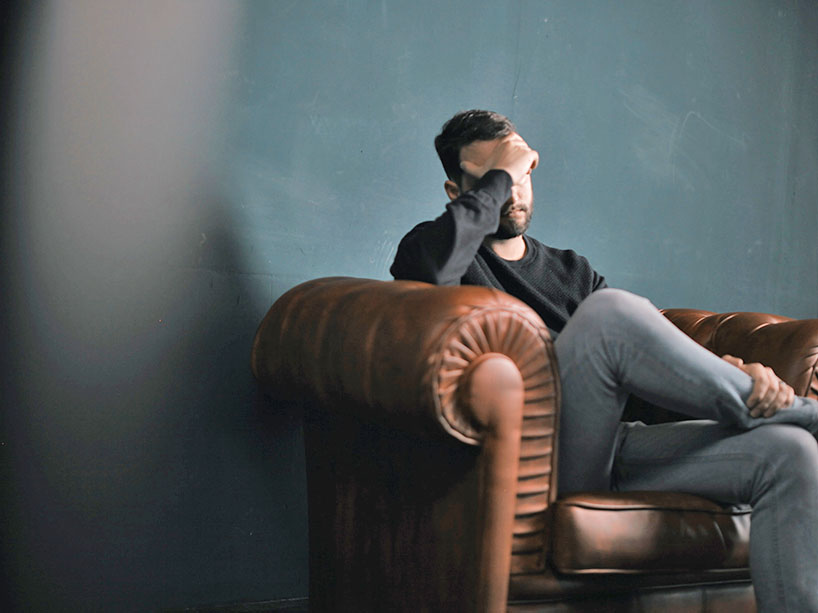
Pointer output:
x,y
497,183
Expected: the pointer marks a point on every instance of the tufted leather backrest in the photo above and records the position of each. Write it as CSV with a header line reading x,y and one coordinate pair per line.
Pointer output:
x,y
788,346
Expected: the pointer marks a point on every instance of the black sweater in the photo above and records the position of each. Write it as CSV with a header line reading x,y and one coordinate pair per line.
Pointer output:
x,y
450,251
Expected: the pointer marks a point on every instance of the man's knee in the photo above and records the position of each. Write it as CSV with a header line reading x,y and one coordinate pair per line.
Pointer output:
x,y
609,306
788,451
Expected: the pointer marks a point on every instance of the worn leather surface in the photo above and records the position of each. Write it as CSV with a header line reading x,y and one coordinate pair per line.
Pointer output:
x,y
647,532
401,456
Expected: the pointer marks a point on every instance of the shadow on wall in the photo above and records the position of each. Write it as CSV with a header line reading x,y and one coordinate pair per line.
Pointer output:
x,y
141,473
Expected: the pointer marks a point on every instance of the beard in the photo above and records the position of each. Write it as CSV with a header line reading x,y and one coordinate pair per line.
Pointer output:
x,y
512,226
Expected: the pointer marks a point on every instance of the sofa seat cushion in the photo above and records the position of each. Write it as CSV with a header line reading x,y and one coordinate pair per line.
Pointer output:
x,y
647,532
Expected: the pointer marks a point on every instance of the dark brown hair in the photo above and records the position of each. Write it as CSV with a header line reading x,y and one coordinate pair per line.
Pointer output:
x,y
463,129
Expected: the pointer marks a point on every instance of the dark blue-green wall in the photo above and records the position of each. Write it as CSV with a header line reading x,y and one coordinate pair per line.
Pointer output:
x,y
171,168
678,139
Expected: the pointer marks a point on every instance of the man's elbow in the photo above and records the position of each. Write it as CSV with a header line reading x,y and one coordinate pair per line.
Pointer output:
x,y
426,275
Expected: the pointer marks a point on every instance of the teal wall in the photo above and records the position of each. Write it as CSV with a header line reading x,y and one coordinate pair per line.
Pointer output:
x,y
678,139
171,168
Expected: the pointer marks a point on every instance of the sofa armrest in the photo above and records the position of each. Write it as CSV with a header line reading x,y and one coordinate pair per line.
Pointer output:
x,y
788,346
412,356
397,351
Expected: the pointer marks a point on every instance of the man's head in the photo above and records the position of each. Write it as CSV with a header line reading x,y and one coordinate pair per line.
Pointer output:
x,y
484,140
463,129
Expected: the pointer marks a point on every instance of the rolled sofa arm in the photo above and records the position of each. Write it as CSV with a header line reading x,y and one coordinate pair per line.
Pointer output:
x,y
396,350
401,353
788,346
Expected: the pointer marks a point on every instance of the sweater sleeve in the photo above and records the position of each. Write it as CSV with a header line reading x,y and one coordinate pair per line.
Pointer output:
x,y
440,251
599,281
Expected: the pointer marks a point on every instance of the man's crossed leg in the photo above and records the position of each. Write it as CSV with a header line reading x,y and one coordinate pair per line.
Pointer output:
x,y
617,343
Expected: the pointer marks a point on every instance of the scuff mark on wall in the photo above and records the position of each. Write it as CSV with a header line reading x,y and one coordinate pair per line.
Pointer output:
x,y
678,147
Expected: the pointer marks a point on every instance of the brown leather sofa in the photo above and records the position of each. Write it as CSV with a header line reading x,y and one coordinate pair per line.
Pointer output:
x,y
430,421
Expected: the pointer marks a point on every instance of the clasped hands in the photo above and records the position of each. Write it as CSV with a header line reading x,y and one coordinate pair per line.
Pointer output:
x,y
770,394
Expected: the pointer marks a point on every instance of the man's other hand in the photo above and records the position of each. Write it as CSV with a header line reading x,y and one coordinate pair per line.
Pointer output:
x,y
510,153
770,394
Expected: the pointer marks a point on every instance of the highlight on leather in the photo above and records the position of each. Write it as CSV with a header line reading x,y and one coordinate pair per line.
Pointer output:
x,y
504,331
647,532
493,330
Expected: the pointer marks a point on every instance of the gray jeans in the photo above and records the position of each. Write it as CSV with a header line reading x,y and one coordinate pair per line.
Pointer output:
x,y
616,344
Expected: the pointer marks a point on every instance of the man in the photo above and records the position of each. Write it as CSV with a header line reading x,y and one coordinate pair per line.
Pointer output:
x,y
752,441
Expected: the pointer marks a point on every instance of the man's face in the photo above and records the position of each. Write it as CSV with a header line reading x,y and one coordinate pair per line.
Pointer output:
x,y
515,214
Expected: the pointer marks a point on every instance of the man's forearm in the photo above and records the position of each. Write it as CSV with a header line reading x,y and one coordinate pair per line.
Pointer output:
x,y
440,251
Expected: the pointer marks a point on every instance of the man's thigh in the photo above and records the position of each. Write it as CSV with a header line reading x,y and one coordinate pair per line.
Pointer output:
x,y
700,457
